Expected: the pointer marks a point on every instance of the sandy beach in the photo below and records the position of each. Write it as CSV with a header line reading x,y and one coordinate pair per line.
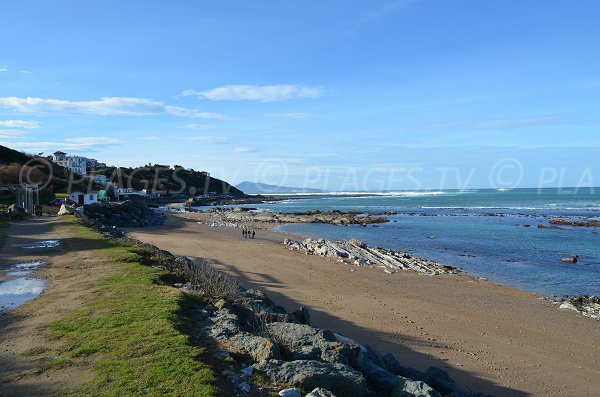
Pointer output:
x,y
488,337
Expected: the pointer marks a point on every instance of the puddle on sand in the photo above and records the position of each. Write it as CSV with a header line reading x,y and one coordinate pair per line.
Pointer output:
x,y
19,288
39,244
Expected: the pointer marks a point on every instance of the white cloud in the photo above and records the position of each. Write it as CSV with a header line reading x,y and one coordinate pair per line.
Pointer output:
x,y
72,144
19,124
202,127
12,133
3,69
244,150
265,93
93,140
208,138
25,72
107,106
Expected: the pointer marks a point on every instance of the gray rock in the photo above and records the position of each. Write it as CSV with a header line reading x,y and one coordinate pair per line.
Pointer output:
x,y
300,341
224,325
309,374
244,387
374,356
303,342
293,392
341,354
303,315
320,392
257,347
381,381
412,388
394,366
442,382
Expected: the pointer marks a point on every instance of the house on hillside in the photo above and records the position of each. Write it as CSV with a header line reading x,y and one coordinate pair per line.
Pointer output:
x,y
121,192
60,158
101,179
76,164
82,198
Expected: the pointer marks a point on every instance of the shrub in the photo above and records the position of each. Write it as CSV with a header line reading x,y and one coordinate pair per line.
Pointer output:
x,y
211,283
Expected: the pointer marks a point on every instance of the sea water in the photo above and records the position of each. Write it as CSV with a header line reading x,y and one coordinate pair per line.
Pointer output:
x,y
487,233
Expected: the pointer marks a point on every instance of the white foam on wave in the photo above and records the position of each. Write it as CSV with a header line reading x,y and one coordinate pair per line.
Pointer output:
x,y
367,194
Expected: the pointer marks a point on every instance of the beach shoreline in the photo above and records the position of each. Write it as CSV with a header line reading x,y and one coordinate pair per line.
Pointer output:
x,y
490,338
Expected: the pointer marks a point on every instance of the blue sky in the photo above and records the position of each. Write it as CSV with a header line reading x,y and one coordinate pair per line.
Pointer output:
x,y
341,95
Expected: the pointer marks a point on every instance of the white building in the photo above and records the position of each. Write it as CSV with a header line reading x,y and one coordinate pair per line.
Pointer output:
x,y
75,164
121,191
101,179
84,198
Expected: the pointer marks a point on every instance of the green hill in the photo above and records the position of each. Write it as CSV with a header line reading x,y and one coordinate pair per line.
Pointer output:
x,y
173,181
18,167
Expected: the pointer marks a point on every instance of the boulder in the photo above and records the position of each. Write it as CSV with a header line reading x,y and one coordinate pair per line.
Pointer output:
x,y
224,325
320,392
413,388
303,342
303,315
309,374
381,381
442,382
257,347
394,366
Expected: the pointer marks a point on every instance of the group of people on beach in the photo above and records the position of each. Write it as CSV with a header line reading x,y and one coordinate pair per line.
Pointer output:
x,y
247,233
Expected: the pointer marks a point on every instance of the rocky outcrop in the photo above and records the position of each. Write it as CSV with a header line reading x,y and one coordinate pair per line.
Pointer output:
x,y
574,222
275,346
357,253
240,216
309,374
130,213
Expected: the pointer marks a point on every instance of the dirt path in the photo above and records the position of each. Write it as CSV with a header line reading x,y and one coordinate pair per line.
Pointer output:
x,y
70,274
490,338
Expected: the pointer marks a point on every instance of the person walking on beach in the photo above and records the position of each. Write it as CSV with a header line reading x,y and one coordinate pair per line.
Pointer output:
x,y
243,232
253,234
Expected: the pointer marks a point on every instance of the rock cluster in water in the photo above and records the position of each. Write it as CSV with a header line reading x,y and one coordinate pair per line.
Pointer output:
x,y
355,252
244,216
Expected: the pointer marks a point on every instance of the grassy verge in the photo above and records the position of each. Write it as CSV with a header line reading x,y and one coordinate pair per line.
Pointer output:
x,y
129,332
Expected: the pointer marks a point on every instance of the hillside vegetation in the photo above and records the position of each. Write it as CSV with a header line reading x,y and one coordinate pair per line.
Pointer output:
x,y
18,167
174,181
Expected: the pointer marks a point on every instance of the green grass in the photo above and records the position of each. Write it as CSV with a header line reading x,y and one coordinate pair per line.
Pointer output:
x,y
129,333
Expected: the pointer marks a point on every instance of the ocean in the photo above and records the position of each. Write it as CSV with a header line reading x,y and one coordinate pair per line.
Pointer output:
x,y
486,233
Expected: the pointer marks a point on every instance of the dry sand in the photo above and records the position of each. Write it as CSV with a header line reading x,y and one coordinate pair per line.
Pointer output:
x,y
489,338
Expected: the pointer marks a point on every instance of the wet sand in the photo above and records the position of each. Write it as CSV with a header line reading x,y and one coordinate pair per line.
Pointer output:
x,y
488,337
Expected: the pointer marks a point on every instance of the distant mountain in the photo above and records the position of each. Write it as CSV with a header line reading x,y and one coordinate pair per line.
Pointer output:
x,y
265,188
